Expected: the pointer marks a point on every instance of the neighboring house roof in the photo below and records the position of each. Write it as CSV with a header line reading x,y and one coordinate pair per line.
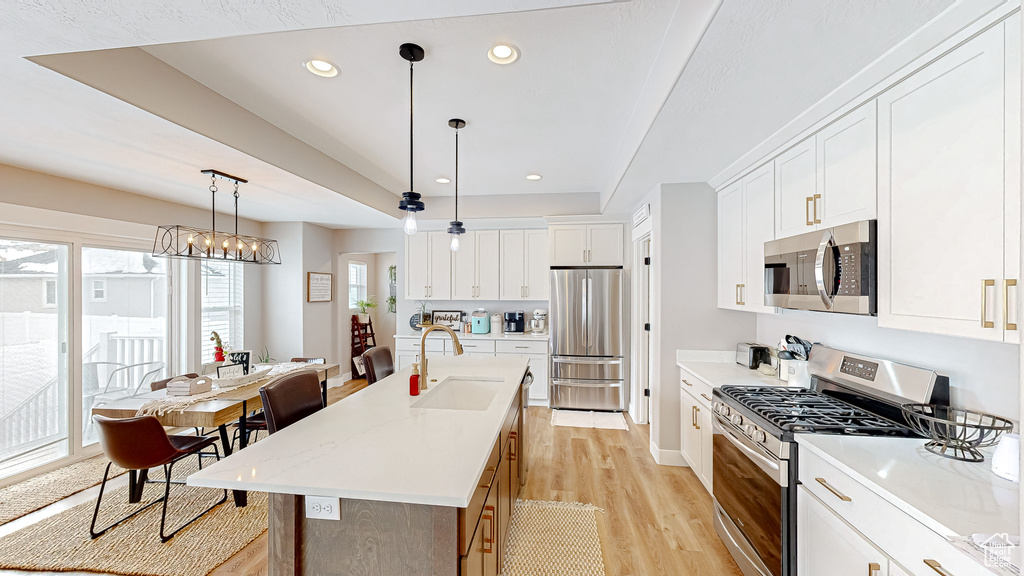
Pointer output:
x,y
26,258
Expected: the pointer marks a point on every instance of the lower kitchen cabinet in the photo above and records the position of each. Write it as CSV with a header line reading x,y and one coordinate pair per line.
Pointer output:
x,y
482,559
828,545
696,430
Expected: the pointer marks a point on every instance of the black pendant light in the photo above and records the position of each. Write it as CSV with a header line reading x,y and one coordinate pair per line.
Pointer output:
x,y
455,227
411,202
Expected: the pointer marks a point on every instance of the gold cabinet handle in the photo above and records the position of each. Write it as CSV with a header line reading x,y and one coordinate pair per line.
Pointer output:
x,y
705,396
816,197
934,565
873,569
687,383
693,416
737,294
696,415
1007,325
837,493
985,285
743,301
807,210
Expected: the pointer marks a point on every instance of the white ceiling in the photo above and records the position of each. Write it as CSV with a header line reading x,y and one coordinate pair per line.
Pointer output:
x,y
759,66
607,100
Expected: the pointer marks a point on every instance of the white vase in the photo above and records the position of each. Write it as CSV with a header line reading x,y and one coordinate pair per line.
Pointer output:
x,y
363,318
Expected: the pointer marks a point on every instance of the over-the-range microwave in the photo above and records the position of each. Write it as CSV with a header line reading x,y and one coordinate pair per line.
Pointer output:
x,y
829,270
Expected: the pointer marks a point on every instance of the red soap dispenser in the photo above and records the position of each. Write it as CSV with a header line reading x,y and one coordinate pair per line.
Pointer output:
x,y
414,380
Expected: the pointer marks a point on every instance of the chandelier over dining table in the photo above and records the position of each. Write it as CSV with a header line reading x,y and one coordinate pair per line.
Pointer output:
x,y
180,241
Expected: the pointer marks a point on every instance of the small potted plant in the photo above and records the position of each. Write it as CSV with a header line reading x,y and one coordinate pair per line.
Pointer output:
x,y
364,307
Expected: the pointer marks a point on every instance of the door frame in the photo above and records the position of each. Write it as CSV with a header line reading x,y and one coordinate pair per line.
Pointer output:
x,y
639,406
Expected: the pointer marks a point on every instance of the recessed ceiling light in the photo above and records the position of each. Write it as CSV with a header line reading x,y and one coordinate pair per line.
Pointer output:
x,y
322,68
443,181
533,177
503,54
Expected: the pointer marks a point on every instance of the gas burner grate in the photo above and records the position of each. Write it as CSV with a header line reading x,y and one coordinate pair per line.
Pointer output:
x,y
801,410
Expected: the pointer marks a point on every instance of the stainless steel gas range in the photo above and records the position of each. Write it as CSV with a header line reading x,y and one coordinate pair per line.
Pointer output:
x,y
755,455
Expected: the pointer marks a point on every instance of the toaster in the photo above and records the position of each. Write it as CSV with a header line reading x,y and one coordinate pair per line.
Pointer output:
x,y
752,355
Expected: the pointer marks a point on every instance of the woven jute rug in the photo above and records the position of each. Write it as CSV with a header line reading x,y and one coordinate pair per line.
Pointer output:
x,y
19,499
553,538
61,543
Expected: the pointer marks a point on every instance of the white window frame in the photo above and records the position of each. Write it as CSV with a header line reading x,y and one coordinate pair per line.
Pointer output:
x,y
348,281
102,284
234,343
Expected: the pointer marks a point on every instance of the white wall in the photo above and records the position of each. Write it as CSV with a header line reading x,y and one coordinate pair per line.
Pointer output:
x,y
983,375
319,320
685,313
284,293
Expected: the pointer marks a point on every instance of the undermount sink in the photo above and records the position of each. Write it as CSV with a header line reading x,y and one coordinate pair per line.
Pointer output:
x,y
459,393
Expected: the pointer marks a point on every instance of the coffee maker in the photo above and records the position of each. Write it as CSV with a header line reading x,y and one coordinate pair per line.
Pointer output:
x,y
515,322
539,323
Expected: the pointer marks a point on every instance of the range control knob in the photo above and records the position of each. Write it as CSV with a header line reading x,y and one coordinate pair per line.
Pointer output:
x,y
724,410
749,429
760,436
737,419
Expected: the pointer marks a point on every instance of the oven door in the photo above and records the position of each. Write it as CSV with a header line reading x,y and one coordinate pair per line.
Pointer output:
x,y
751,502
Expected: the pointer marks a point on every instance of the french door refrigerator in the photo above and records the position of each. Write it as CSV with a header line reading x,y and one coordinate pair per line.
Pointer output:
x,y
587,347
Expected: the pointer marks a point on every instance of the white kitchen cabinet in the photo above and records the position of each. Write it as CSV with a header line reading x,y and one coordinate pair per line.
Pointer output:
x,y
730,246
827,545
690,434
428,266
696,433
745,222
539,368
523,273
586,244
847,180
795,188
949,193
475,267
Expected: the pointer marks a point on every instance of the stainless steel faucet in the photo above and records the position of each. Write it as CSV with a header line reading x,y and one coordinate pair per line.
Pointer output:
x,y
423,348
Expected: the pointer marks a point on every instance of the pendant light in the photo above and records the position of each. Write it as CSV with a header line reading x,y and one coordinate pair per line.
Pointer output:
x,y
177,241
411,202
455,227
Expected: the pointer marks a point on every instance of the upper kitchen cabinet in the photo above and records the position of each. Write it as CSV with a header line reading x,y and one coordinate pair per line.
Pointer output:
x,y
949,193
745,223
830,178
475,267
586,244
523,267
428,266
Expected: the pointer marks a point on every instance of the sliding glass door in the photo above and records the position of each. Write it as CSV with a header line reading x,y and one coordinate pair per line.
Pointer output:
x,y
34,411
124,327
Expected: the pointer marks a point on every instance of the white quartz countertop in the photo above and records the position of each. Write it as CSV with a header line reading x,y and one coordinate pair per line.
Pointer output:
x,y
951,497
721,369
374,445
491,336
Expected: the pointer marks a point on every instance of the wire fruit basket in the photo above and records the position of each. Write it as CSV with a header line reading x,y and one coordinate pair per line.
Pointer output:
x,y
956,433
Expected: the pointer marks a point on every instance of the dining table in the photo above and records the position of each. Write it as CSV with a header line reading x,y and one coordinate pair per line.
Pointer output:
x,y
232,406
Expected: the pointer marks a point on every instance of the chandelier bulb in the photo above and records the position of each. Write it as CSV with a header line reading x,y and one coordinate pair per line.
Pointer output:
x,y
455,242
410,223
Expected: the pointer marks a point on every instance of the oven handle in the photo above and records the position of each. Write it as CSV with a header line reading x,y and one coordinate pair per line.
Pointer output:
x,y
768,465
827,241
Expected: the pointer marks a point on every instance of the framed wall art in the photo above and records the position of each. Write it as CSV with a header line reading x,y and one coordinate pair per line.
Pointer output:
x,y
319,287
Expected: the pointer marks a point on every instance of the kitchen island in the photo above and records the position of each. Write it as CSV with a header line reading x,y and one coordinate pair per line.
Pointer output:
x,y
424,484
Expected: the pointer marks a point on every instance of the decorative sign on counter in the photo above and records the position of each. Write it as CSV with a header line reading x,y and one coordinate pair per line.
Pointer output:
x,y
449,318
319,287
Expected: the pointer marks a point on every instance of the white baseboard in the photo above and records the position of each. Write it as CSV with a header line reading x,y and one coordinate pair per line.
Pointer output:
x,y
667,457
346,376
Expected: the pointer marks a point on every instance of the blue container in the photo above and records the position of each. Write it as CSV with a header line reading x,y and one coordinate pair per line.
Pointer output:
x,y
481,322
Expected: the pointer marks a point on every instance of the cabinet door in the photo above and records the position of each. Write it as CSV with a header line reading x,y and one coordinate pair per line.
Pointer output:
x,y
513,265
827,545
405,359
440,266
539,368
895,570
847,169
758,228
568,242
536,269
417,267
464,268
941,194
730,246
487,258
795,187
604,245
707,434
689,434
504,484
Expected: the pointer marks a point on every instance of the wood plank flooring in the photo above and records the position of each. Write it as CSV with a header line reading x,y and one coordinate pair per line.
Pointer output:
x,y
656,520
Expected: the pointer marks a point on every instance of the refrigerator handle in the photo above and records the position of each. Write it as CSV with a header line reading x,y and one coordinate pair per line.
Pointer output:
x,y
590,315
583,311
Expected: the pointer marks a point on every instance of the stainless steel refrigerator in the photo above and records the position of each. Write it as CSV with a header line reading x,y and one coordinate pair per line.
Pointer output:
x,y
587,344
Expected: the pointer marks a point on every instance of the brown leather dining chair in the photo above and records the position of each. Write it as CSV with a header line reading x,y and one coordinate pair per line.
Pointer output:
x,y
138,444
378,363
290,398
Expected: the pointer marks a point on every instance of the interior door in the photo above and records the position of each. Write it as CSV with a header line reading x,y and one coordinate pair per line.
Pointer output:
x,y
464,267
604,313
512,265
568,312
487,258
941,194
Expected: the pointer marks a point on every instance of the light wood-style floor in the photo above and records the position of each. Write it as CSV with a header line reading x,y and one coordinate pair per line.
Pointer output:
x,y
657,519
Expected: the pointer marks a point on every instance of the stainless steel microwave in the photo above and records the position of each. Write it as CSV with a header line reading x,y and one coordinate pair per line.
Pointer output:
x,y
829,270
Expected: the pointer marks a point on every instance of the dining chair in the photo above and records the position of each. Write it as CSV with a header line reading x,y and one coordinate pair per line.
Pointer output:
x,y
310,360
290,398
378,363
138,444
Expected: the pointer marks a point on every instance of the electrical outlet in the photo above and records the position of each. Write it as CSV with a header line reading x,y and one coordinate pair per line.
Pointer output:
x,y
323,508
